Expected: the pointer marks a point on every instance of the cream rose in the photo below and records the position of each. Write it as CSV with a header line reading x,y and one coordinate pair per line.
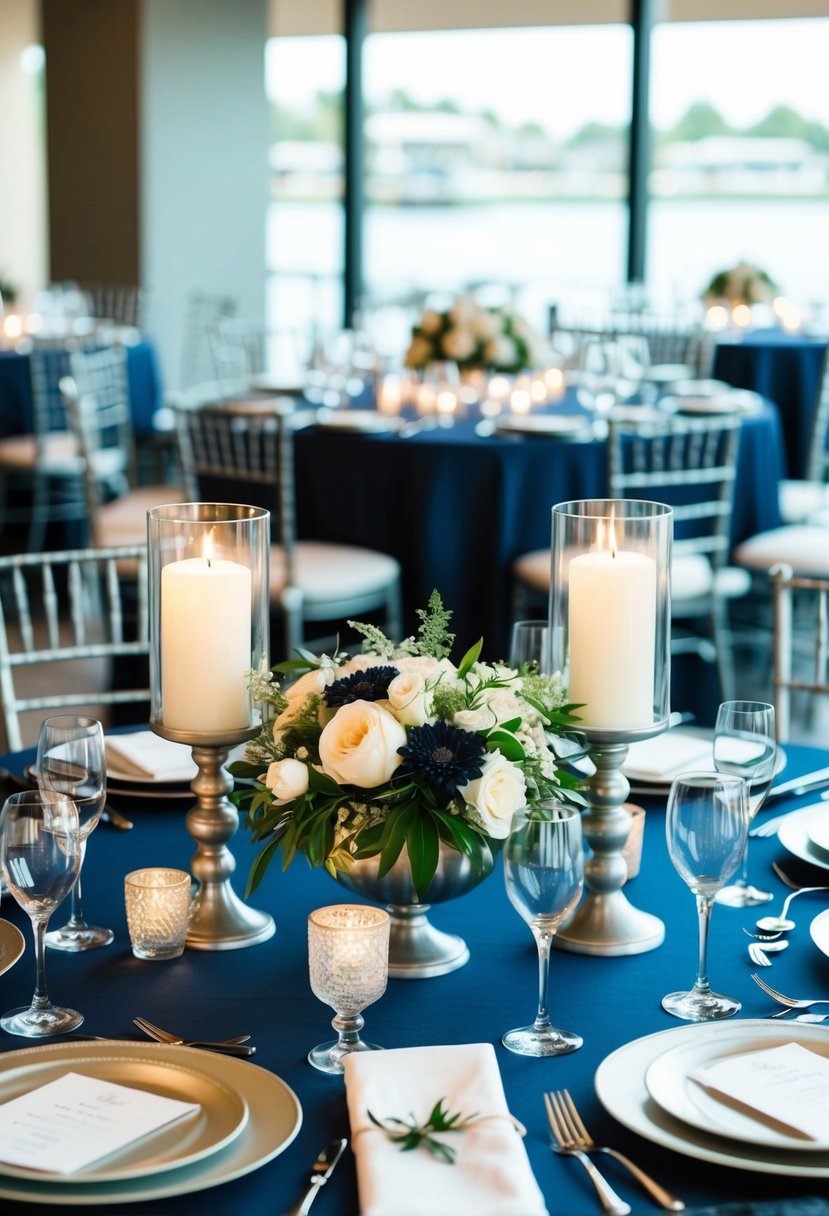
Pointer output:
x,y
312,682
359,745
287,780
408,698
496,795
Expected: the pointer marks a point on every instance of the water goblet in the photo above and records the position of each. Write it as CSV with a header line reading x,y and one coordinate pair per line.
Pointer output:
x,y
348,961
544,875
530,647
71,761
745,744
706,826
40,857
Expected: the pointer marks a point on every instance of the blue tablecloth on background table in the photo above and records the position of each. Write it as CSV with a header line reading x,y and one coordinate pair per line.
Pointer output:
x,y
16,389
785,368
264,991
457,509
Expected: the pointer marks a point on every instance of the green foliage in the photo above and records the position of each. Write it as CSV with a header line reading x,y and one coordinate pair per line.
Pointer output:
x,y
409,1135
434,637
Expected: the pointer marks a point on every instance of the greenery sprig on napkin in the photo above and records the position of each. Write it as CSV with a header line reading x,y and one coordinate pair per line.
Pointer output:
x,y
409,1134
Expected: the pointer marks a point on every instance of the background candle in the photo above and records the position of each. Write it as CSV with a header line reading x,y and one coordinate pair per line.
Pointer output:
x,y
205,645
612,628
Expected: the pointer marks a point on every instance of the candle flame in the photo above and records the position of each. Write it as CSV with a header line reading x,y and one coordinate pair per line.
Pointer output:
x,y
207,551
606,535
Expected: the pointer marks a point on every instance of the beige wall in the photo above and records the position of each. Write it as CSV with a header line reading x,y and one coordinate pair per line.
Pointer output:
x,y
22,163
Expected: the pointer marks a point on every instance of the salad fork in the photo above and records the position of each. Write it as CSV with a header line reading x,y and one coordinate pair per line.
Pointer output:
x,y
790,1002
563,1143
237,1046
571,1123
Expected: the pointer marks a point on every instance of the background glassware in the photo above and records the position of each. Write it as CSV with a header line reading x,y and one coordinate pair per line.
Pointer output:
x,y
40,857
157,903
544,875
745,744
531,644
598,389
71,760
348,962
706,826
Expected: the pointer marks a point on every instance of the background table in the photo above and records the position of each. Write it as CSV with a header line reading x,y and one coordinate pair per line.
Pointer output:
x,y
785,368
456,509
264,991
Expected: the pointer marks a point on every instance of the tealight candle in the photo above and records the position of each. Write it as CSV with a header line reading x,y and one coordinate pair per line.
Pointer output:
x,y
158,909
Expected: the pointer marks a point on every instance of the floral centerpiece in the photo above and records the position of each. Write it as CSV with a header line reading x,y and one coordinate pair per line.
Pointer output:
x,y
742,284
475,337
398,746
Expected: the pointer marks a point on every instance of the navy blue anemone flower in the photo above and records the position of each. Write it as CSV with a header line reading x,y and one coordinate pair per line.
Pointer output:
x,y
372,684
447,756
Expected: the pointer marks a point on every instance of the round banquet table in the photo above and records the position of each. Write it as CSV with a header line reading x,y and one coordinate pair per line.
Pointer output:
x,y
144,386
456,509
785,368
264,991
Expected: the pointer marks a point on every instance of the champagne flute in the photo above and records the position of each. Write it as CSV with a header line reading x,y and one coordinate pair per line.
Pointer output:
x,y
40,857
706,826
544,875
745,744
71,761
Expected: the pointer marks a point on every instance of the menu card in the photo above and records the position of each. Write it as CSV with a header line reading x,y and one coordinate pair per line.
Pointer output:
x,y
787,1086
64,1126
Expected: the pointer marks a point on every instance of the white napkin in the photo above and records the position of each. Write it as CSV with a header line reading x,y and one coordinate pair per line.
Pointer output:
x,y
147,757
491,1175
663,756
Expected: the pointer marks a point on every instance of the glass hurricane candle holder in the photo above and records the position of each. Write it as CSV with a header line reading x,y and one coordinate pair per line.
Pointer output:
x,y
157,903
348,962
209,613
610,629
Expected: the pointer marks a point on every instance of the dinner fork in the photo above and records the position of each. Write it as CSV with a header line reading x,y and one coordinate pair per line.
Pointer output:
x,y
561,1143
790,1002
236,1046
578,1137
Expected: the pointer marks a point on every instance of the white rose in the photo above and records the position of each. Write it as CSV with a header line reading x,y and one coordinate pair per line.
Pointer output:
x,y
496,795
501,352
359,745
287,780
408,698
488,325
458,344
312,682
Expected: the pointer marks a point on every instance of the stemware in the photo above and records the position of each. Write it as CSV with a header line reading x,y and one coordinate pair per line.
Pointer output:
x,y
598,389
706,826
544,875
71,761
40,857
744,744
530,647
348,963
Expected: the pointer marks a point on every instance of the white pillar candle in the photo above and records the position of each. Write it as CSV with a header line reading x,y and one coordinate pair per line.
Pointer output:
x,y
612,628
205,645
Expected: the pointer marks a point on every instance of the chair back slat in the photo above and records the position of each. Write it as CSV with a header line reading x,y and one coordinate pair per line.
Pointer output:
x,y
801,609
818,462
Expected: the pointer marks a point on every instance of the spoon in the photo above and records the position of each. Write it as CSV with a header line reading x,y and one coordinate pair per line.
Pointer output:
x,y
782,923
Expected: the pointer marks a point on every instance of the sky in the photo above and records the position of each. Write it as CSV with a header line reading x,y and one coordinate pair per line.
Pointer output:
x,y
572,75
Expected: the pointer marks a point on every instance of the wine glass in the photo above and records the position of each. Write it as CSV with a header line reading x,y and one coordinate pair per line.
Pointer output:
x,y
348,963
599,380
745,744
40,857
530,647
544,875
706,826
71,760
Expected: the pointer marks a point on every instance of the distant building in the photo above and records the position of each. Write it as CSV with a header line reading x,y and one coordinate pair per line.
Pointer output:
x,y
733,164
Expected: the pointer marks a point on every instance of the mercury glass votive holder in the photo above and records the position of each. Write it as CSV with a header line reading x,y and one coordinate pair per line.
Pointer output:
x,y
158,911
348,962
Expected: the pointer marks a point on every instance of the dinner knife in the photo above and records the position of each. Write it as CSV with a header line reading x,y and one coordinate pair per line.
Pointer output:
x,y
321,1171
800,785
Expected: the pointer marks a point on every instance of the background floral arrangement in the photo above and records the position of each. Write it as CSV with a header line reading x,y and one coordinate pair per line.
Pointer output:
x,y
476,337
398,746
742,284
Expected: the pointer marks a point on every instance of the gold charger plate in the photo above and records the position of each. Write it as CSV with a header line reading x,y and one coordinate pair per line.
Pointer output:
x,y
222,1113
12,945
275,1117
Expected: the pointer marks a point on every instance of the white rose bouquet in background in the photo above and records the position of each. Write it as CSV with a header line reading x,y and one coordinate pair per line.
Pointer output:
x,y
476,337
398,746
741,284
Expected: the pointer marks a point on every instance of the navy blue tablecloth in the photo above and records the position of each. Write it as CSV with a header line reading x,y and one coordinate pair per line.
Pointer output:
x,y
16,389
457,509
264,991
785,368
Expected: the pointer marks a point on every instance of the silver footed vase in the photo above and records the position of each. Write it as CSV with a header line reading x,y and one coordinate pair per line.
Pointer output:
x,y
417,950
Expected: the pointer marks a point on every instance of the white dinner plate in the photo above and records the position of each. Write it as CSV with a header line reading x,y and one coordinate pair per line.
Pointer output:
x,y
698,388
221,1116
793,834
155,790
359,420
669,1084
275,1117
12,945
621,1089
686,748
563,425
819,931
817,829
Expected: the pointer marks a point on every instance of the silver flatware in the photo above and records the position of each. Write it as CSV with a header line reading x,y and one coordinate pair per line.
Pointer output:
x,y
608,1198
231,1047
783,923
770,826
579,1137
759,951
799,785
789,1001
115,819
321,1171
